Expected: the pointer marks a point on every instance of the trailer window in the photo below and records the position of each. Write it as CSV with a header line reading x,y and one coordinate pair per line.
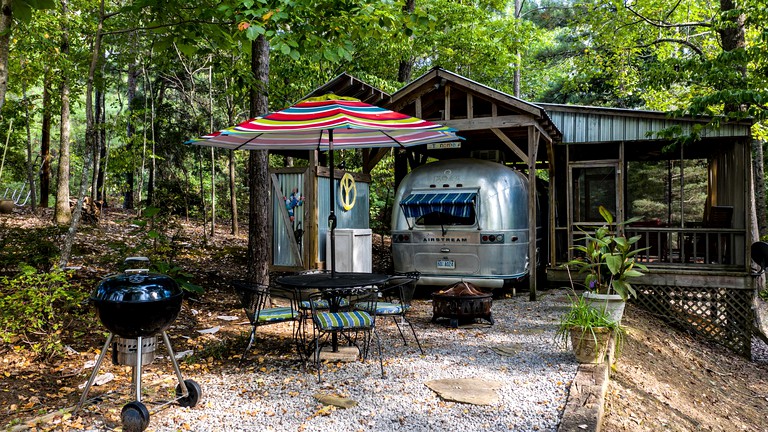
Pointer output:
x,y
445,206
440,218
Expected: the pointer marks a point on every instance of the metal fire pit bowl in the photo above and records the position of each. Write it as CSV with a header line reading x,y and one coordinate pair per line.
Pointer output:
x,y
462,303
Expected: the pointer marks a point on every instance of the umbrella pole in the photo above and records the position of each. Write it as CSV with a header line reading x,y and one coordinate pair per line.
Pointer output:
x,y
332,214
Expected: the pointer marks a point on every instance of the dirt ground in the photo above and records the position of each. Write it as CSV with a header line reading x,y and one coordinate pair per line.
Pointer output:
x,y
664,380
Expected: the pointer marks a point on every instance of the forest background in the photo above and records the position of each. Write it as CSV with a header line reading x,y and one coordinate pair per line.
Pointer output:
x,y
98,97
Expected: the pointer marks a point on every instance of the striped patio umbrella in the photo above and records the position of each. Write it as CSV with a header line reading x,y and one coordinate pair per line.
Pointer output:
x,y
326,123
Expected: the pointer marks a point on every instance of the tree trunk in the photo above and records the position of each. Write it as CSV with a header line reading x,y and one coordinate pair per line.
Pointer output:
x,y
233,193
6,22
732,38
518,66
129,177
63,214
30,159
258,171
97,144
101,196
406,63
45,143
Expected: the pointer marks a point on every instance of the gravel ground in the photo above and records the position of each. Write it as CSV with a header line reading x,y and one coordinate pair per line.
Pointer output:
x,y
277,393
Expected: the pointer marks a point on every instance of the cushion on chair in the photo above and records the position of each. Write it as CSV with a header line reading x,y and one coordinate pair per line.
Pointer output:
x,y
382,308
321,304
277,314
343,320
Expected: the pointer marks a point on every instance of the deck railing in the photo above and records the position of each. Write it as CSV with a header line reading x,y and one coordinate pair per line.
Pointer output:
x,y
693,246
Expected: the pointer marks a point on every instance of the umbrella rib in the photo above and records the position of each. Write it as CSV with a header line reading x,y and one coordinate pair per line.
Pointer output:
x,y
249,140
393,139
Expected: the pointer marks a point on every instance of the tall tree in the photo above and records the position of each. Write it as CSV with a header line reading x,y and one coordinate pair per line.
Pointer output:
x,y
258,170
63,214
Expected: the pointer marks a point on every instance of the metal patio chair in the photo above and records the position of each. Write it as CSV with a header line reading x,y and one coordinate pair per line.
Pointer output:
x,y
254,299
395,301
334,325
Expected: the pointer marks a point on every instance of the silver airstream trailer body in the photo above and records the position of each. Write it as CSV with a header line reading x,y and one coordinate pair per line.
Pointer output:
x,y
462,219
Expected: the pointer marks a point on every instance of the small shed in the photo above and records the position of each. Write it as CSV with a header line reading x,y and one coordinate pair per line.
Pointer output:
x,y
299,240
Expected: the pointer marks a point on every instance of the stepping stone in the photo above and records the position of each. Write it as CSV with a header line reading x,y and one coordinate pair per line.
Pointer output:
x,y
336,401
344,354
508,350
473,391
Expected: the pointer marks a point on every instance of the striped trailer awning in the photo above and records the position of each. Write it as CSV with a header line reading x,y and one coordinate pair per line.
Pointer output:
x,y
457,204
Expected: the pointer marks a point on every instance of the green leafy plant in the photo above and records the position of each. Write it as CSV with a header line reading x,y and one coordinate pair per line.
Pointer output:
x,y
178,274
608,258
583,316
34,307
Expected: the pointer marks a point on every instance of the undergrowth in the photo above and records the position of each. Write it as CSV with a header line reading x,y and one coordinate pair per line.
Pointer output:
x,y
34,309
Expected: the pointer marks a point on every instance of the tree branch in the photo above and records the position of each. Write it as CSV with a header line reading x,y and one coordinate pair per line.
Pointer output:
x,y
664,24
690,45
121,31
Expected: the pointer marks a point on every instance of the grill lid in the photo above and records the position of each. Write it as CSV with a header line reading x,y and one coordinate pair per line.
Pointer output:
x,y
136,287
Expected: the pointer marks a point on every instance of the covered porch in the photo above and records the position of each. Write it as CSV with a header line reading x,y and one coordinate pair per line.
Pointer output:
x,y
694,201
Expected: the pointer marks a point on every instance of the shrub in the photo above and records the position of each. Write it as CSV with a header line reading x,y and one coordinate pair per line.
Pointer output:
x,y
34,307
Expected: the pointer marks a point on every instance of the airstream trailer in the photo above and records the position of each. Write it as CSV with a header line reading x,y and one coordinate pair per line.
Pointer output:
x,y
462,220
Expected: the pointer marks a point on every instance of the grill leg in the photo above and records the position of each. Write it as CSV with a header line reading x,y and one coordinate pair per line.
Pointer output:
x,y
137,369
184,390
96,367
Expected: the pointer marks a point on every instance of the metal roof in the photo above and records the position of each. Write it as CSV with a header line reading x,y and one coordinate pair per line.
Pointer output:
x,y
587,124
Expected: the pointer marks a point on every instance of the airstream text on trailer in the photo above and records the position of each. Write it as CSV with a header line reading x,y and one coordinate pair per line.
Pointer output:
x,y
462,219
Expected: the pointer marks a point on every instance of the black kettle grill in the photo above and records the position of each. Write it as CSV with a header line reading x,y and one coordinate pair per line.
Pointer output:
x,y
136,306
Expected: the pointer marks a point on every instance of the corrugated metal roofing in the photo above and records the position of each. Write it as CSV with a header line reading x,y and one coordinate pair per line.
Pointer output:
x,y
585,124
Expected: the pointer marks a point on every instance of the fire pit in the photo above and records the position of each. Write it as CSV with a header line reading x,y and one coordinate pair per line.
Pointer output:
x,y
137,307
462,302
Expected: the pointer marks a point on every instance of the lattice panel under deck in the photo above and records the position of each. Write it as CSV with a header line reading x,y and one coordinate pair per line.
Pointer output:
x,y
720,314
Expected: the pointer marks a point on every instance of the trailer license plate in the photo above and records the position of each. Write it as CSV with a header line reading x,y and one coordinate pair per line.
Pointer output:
x,y
446,264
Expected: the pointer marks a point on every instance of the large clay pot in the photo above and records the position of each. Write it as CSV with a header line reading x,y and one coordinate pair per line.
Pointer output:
x,y
6,206
590,346
611,304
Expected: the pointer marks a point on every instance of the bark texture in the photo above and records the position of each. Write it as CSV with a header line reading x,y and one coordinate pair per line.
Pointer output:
x,y
258,171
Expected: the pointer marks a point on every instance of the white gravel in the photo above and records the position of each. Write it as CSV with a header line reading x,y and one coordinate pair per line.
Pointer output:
x,y
277,394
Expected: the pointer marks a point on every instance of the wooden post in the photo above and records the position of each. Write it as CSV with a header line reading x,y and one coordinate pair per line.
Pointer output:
x,y
311,257
533,141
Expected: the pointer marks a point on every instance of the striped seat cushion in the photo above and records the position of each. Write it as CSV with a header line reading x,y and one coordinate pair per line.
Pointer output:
x,y
277,314
382,308
321,304
343,320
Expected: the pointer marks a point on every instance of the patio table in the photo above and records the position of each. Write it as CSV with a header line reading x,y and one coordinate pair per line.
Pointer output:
x,y
335,285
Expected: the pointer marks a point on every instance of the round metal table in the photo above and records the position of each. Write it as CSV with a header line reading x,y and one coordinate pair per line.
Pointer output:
x,y
329,280
335,284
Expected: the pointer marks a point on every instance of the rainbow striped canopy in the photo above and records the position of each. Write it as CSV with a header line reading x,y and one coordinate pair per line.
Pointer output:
x,y
326,123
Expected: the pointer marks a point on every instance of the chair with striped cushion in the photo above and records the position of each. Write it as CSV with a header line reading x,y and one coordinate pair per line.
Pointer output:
x,y
334,325
256,301
395,301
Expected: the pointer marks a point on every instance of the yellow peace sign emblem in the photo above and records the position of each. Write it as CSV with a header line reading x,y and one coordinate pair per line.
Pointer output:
x,y
347,192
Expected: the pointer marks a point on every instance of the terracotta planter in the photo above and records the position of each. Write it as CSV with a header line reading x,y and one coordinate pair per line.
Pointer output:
x,y
588,347
611,304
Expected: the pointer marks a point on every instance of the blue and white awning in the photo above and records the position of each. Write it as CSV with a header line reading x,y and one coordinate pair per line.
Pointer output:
x,y
457,204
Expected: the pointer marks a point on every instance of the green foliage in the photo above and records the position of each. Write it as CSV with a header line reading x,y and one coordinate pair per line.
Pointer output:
x,y
183,278
608,259
34,308
33,246
583,316
163,248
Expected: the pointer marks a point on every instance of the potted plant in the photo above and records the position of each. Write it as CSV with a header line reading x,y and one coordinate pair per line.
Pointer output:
x,y
589,331
607,263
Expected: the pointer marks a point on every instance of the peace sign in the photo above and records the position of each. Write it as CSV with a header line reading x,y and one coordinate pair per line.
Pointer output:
x,y
347,192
